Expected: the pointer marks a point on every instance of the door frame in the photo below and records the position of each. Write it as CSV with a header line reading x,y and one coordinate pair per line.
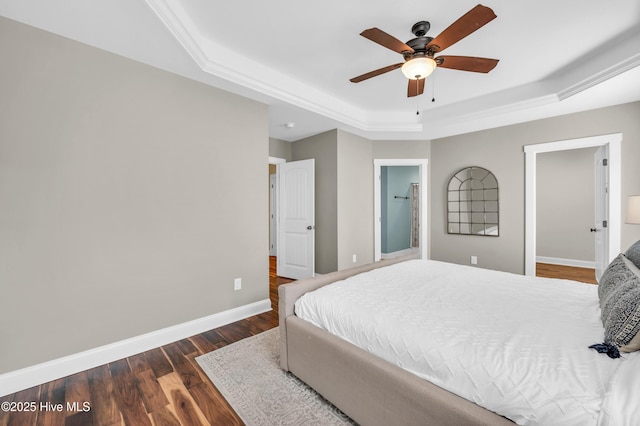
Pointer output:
x,y
273,214
601,210
281,268
422,164
275,161
614,142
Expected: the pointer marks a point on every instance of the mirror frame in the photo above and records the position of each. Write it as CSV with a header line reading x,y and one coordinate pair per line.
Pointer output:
x,y
473,203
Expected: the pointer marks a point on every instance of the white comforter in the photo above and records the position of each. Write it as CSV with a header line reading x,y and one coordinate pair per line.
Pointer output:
x,y
515,345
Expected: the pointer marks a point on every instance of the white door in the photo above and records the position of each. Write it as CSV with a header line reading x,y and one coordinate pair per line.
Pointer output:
x,y
296,219
601,228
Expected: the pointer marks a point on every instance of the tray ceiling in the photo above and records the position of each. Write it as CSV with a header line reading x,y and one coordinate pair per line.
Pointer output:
x,y
555,57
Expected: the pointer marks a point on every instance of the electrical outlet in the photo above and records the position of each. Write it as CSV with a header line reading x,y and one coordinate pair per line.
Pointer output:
x,y
237,284
355,259
474,260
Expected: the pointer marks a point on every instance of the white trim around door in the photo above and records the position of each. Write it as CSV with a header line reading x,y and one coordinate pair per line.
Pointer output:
x,y
614,142
273,206
422,164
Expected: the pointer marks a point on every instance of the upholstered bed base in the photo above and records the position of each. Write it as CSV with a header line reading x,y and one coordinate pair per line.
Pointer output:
x,y
368,389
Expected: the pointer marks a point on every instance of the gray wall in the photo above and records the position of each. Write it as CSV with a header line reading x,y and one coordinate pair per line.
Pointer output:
x,y
383,149
279,149
344,192
323,148
566,204
501,151
130,198
355,200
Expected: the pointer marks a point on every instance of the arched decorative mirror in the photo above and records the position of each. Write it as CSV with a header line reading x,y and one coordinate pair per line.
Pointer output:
x,y
472,200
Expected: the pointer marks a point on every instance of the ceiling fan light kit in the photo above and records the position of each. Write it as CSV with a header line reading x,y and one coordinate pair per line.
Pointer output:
x,y
419,52
417,68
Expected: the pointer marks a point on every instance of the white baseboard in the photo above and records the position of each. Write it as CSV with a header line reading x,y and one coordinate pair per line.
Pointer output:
x,y
567,262
27,377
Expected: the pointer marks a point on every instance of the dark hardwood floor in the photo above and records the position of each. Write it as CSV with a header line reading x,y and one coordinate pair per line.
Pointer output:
x,y
585,275
164,386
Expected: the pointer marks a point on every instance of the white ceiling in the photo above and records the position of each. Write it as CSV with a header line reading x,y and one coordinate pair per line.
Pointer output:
x,y
556,57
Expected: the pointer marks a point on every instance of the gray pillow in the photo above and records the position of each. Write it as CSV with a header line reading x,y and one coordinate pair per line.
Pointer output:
x,y
633,253
619,292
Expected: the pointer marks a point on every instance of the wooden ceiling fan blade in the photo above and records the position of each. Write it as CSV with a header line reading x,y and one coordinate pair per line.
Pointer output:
x,y
375,73
387,40
471,21
415,87
467,63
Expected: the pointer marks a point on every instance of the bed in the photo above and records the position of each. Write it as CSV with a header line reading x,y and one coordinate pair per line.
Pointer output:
x,y
410,341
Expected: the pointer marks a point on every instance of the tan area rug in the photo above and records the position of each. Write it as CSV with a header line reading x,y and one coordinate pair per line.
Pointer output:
x,y
249,376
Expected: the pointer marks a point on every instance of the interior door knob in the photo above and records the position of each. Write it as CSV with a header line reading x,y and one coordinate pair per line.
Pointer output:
x,y
594,230
310,227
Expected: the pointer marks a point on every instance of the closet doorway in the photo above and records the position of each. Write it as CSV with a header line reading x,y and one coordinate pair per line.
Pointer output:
x,y
565,214
611,174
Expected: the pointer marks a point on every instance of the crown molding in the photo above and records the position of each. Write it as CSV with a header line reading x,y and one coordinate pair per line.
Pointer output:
x,y
600,77
610,60
497,108
264,80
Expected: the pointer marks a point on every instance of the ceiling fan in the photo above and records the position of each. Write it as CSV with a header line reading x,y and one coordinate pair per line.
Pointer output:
x,y
419,53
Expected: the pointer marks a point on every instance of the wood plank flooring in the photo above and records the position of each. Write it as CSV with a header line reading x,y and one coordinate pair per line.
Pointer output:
x,y
164,386
585,275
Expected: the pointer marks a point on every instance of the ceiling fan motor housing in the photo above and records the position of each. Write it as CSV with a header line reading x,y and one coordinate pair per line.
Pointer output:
x,y
419,29
419,46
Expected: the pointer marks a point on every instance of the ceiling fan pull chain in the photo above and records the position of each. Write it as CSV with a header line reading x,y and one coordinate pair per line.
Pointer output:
x,y
417,100
433,88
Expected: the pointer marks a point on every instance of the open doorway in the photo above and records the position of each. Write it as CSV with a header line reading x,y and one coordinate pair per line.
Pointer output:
x,y
399,213
611,174
400,207
273,204
565,198
274,280
292,217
